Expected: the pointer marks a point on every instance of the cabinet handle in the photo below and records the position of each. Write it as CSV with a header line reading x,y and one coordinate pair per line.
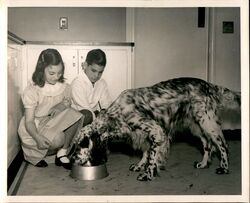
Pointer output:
x,y
74,64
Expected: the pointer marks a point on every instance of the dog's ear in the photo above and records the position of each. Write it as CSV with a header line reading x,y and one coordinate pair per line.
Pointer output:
x,y
84,132
94,135
84,142
87,142
99,150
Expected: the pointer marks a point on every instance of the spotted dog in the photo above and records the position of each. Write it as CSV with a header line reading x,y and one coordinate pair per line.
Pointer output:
x,y
149,117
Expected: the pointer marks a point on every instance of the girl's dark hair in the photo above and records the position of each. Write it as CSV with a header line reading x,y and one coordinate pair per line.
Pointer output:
x,y
96,56
46,58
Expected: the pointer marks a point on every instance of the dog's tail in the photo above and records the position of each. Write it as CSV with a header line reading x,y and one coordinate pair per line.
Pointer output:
x,y
229,99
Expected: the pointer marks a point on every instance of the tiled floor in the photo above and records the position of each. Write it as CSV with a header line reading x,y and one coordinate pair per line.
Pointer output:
x,y
179,178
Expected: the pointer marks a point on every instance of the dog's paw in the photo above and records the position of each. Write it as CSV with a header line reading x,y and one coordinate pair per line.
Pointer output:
x,y
200,165
145,177
134,167
221,171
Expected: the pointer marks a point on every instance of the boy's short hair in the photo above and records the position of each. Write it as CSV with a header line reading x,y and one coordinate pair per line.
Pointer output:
x,y
96,56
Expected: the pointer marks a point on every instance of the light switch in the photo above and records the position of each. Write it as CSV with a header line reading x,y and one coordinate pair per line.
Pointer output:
x,y
63,23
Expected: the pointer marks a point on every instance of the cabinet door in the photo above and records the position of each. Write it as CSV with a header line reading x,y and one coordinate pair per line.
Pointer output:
x,y
14,99
118,70
69,56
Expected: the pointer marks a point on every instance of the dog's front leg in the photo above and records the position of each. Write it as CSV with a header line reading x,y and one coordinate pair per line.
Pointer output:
x,y
152,166
141,164
156,137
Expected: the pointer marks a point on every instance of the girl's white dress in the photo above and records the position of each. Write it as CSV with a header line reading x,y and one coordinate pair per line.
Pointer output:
x,y
42,99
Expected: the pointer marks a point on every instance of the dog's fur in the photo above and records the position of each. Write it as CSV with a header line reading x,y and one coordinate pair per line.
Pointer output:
x,y
148,117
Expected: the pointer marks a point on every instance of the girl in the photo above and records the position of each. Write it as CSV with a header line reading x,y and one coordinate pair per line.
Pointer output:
x,y
49,123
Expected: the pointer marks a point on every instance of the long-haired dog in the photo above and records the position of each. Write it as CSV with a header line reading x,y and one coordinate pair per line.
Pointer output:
x,y
148,118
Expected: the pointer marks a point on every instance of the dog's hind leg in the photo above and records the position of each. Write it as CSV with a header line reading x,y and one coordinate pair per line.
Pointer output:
x,y
206,156
211,128
196,131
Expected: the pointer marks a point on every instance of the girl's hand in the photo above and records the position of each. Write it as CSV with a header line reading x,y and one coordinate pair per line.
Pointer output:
x,y
42,142
55,111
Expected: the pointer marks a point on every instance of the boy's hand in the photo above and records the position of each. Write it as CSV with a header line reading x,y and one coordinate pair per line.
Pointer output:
x,y
67,102
96,112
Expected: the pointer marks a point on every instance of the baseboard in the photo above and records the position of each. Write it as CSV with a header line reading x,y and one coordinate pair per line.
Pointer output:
x,y
14,168
18,178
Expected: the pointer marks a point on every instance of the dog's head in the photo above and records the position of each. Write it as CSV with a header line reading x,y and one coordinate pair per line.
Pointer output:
x,y
89,147
91,141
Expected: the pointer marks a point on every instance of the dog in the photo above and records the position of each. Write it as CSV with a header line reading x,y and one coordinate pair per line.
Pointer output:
x,y
148,118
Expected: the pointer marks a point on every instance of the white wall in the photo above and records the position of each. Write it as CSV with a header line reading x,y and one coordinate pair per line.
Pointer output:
x,y
87,24
168,44
227,49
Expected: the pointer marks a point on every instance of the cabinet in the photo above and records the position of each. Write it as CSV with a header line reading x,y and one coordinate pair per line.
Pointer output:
x,y
15,110
118,71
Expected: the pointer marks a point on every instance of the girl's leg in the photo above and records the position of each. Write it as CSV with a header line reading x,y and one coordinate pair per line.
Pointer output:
x,y
85,120
61,156
70,133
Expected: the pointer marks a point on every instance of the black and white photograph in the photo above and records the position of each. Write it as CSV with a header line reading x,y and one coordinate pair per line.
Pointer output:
x,y
125,101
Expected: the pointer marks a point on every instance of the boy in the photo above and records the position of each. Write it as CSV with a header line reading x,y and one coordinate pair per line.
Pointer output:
x,y
89,91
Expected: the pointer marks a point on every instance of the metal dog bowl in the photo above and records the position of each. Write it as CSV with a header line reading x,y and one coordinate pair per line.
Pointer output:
x,y
88,172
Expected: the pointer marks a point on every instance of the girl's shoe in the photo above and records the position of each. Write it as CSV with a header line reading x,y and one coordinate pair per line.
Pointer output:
x,y
41,164
58,162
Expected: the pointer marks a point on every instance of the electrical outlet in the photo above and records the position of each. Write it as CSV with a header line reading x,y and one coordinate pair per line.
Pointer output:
x,y
228,27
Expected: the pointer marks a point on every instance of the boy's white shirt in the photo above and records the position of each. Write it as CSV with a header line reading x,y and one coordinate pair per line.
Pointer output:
x,y
86,96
